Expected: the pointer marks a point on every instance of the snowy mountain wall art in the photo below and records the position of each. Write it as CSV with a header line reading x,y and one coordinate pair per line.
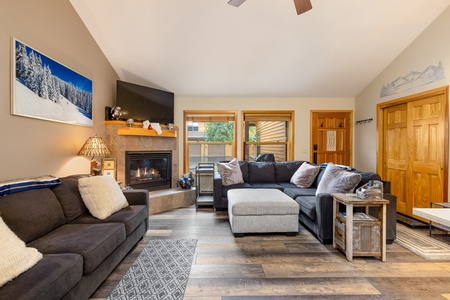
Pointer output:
x,y
47,90
413,79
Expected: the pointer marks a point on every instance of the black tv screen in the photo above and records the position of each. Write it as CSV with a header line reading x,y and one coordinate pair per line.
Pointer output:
x,y
144,103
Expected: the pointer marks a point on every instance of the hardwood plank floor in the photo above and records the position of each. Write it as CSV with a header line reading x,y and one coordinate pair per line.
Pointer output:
x,y
276,266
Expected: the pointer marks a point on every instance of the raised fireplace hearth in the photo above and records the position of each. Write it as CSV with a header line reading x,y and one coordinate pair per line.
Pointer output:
x,y
151,170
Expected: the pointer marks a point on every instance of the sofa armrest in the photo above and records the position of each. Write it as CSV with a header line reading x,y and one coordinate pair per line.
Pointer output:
x,y
386,186
324,211
137,197
217,189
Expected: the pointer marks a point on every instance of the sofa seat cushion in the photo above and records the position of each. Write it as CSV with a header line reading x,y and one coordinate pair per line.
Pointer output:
x,y
94,242
266,185
51,278
286,185
131,216
225,189
308,206
32,214
294,192
261,172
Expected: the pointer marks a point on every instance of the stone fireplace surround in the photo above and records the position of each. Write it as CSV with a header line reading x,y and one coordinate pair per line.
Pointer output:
x,y
120,138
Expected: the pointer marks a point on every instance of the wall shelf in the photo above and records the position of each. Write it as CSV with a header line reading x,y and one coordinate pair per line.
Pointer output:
x,y
124,129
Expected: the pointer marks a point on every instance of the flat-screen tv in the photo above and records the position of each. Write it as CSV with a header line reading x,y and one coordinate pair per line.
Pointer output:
x,y
144,103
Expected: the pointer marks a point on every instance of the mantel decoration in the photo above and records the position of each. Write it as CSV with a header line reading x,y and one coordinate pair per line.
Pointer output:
x,y
45,89
95,146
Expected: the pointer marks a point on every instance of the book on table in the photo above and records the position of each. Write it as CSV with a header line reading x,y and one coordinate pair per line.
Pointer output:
x,y
357,216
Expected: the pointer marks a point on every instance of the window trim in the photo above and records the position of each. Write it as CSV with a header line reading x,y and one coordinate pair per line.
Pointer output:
x,y
270,115
207,116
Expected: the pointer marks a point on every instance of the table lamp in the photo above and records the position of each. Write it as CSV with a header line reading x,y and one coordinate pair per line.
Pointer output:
x,y
94,146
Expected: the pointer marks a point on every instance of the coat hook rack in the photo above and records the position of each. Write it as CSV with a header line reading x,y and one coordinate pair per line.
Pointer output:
x,y
363,121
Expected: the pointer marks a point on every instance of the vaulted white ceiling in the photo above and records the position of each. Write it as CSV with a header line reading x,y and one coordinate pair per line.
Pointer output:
x,y
260,49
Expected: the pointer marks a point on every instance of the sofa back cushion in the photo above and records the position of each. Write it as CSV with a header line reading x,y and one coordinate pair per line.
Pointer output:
x,y
261,172
69,196
32,214
285,170
366,177
244,169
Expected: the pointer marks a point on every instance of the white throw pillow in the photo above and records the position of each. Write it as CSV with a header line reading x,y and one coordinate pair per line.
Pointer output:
x,y
15,257
305,175
102,195
337,180
230,172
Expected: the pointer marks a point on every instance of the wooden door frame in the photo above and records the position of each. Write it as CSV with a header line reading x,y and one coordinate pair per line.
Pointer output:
x,y
380,128
311,112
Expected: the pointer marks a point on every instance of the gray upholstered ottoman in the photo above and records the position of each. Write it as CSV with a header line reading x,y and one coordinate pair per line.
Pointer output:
x,y
262,210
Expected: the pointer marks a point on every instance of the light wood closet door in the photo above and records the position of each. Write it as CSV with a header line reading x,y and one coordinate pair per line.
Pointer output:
x,y
415,149
426,120
396,153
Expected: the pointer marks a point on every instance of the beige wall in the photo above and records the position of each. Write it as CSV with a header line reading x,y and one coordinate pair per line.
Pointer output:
x,y
31,147
430,48
301,106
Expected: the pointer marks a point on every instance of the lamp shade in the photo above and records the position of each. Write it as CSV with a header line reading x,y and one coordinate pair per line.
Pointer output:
x,y
94,146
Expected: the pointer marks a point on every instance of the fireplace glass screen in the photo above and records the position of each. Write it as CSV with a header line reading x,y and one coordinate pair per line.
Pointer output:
x,y
148,170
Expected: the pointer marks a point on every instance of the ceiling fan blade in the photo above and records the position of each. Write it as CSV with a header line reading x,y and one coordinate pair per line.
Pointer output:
x,y
302,6
236,2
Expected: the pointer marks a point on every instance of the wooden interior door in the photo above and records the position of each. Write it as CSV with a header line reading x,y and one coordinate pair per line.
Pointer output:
x,y
331,138
396,152
414,148
426,120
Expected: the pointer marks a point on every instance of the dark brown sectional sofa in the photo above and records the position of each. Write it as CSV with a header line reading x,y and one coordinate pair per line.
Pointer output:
x,y
316,212
79,251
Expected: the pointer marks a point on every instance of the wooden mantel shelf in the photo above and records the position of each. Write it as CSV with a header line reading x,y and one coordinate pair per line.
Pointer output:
x,y
124,129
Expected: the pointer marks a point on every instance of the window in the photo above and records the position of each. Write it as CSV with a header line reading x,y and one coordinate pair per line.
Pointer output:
x,y
210,136
268,132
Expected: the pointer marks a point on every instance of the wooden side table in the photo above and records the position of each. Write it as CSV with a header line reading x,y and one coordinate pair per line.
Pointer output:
x,y
355,236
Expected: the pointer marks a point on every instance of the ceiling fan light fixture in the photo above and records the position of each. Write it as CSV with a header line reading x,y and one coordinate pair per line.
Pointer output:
x,y
236,3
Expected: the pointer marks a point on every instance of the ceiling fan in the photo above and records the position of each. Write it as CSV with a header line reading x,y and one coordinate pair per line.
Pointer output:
x,y
300,5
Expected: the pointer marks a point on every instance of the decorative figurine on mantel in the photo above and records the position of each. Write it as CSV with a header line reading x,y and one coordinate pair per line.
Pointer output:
x,y
116,112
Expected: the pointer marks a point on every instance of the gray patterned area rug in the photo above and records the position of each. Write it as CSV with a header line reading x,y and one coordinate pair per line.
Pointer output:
x,y
161,271
420,243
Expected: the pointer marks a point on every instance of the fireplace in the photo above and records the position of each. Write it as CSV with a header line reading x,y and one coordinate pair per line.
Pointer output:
x,y
150,170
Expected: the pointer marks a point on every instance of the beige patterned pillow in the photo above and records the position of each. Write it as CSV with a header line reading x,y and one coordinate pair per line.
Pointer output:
x,y
102,195
230,172
305,175
337,180
15,257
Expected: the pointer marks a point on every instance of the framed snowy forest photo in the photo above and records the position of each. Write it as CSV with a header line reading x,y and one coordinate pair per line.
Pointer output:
x,y
43,88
